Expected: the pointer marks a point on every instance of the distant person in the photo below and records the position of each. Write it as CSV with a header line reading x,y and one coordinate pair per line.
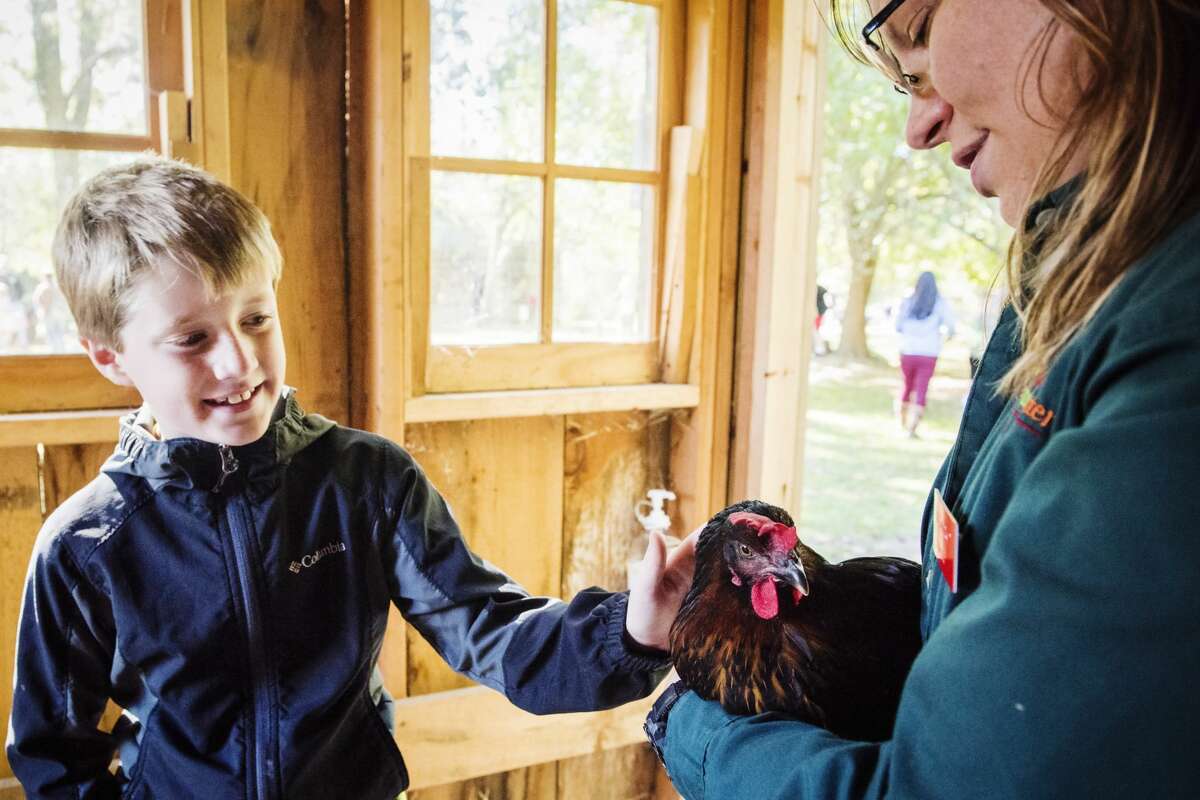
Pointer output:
x,y
922,317
819,344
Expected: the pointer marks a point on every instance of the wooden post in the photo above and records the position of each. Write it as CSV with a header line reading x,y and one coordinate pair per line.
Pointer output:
x,y
776,304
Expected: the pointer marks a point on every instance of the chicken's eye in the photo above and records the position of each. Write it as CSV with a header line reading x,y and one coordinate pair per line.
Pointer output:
x,y
744,550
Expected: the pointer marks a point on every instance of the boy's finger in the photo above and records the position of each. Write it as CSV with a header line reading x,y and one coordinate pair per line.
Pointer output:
x,y
683,557
656,555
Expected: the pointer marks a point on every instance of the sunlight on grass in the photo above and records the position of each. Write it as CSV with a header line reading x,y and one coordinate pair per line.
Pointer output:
x,y
865,480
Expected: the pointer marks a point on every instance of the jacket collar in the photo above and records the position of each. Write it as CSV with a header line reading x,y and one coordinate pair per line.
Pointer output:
x,y
197,464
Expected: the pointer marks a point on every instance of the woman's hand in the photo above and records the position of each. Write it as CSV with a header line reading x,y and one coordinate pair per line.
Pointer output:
x,y
657,588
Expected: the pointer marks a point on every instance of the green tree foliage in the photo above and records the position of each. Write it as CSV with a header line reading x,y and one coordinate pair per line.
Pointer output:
x,y
887,212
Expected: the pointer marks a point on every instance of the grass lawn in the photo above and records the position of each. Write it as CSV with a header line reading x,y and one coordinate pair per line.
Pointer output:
x,y
865,480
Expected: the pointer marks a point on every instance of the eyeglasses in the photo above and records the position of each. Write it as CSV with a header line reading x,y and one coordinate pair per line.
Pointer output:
x,y
880,56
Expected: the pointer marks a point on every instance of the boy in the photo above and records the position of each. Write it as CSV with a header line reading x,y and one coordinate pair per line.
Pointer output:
x,y
226,578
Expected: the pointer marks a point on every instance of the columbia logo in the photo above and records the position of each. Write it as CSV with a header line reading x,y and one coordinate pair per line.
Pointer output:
x,y
312,558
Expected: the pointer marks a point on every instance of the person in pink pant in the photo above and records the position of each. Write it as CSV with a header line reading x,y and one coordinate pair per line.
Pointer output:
x,y
923,317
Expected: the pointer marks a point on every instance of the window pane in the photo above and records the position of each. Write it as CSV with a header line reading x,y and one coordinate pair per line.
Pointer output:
x,y
33,316
43,56
607,90
603,261
487,78
485,259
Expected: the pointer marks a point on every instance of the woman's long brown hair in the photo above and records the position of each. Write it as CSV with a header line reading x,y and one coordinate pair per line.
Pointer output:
x,y
1138,116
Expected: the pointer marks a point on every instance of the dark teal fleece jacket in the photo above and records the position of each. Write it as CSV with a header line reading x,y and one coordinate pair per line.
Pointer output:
x,y
1066,665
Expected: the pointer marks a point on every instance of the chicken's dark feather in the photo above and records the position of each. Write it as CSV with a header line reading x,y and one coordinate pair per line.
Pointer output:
x,y
837,658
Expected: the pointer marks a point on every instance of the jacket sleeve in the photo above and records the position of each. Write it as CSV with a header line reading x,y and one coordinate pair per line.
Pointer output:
x,y
545,655
61,683
1070,671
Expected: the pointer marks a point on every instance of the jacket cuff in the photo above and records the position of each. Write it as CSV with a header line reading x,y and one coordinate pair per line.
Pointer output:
x,y
625,653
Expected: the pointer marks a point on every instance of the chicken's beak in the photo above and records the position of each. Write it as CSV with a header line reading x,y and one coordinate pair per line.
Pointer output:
x,y
791,572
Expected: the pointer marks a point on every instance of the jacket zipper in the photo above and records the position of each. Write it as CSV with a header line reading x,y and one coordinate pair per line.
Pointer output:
x,y
261,738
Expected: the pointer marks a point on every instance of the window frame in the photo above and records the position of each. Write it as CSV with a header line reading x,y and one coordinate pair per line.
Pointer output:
x,y
188,117
438,369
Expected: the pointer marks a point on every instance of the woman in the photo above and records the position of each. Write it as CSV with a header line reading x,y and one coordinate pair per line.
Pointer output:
x,y
1062,660
922,317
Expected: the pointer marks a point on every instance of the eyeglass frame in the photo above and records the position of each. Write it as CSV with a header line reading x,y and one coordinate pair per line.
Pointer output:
x,y
874,24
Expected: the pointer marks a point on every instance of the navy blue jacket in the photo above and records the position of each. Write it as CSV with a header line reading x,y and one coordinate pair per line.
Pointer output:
x,y
233,601
1065,665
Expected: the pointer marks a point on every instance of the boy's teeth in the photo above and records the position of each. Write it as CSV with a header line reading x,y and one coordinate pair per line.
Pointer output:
x,y
236,398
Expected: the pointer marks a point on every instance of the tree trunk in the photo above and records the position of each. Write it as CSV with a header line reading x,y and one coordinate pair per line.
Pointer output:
x,y
853,343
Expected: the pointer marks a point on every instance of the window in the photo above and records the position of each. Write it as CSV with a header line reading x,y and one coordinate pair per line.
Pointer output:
x,y
83,84
541,158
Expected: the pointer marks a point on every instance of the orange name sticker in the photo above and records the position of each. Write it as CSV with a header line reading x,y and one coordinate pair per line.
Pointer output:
x,y
945,540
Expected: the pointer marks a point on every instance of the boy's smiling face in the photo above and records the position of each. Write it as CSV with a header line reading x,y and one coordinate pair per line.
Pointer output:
x,y
209,367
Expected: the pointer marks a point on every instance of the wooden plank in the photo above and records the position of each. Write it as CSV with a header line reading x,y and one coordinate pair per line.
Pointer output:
x,y
61,427
683,257
286,116
773,338
610,461
20,519
376,199
73,140
542,402
700,442
207,80
415,178
503,480
537,170
536,782
540,366
68,468
443,740
58,383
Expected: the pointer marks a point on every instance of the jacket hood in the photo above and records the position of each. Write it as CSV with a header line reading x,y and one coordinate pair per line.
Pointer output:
x,y
197,464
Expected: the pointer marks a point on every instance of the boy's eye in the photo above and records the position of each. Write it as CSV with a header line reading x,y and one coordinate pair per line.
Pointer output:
x,y
191,340
258,320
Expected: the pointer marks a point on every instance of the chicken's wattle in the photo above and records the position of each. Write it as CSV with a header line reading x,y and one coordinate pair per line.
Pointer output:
x,y
764,598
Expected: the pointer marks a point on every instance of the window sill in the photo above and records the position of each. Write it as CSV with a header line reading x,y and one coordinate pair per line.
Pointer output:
x,y
548,402
100,425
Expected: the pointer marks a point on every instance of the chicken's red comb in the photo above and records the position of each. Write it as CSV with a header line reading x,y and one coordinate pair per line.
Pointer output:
x,y
782,537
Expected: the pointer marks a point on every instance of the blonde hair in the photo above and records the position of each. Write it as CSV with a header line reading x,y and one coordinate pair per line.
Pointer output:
x,y
150,214
1136,117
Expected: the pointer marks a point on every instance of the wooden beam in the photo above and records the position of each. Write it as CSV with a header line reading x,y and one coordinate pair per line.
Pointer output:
x,y
775,306
73,140
443,741
61,427
539,366
543,402
59,383
700,442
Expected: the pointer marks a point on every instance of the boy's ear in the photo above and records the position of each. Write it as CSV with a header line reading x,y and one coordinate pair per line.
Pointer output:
x,y
106,360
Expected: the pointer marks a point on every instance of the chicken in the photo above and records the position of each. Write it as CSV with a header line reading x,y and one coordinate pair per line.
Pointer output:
x,y
769,625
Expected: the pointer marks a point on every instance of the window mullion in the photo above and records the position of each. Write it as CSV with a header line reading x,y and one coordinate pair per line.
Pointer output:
x,y
547,304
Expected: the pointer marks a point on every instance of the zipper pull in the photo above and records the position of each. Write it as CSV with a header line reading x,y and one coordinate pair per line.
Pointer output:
x,y
229,464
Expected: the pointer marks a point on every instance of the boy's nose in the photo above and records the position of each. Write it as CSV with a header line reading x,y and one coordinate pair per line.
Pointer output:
x,y
233,357
928,119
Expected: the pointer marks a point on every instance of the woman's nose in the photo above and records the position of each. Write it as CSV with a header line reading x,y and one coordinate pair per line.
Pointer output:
x,y
233,357
928,118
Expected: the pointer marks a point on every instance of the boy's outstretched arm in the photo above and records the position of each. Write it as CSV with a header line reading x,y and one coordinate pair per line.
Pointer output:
x,y
657,589
61,682
545,655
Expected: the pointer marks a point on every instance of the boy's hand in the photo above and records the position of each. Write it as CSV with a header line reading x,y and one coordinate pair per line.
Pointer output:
x,y
657,588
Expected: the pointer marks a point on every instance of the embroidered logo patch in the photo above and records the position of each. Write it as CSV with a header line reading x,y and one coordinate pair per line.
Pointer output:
x,y
312,558
1031,414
